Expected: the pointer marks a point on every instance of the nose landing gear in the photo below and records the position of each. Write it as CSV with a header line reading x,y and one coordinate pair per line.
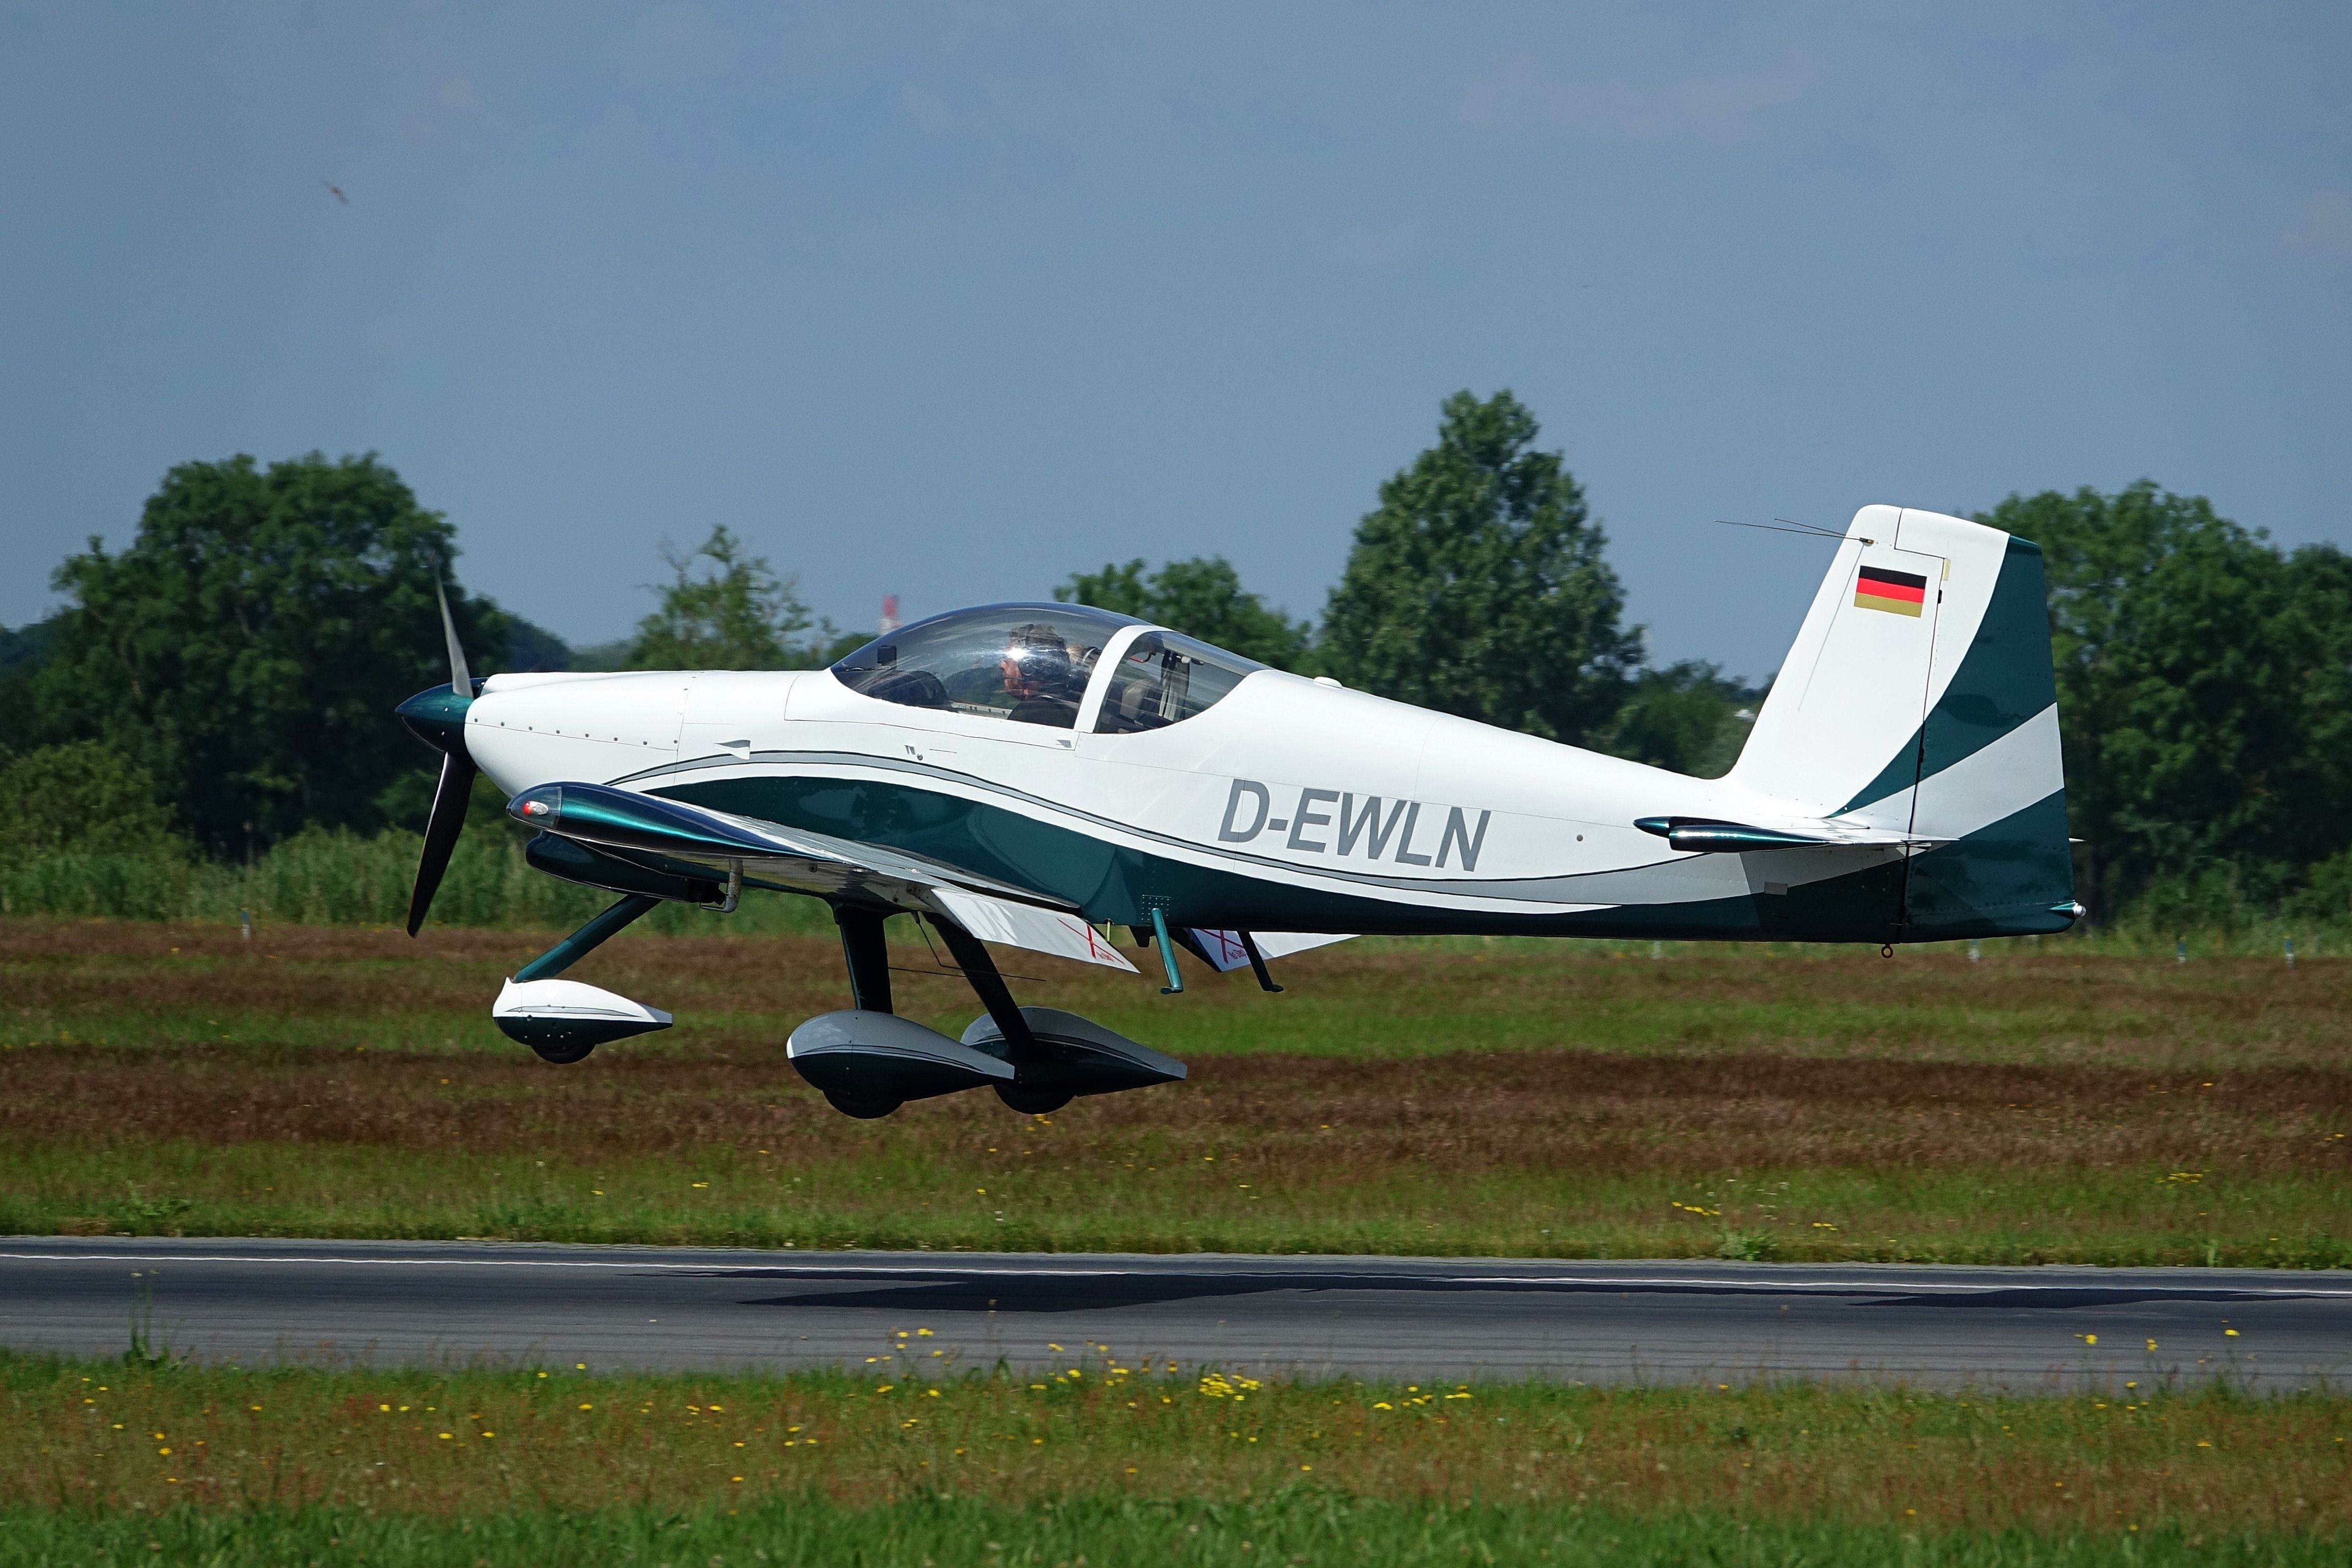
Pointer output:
x,y
563,1020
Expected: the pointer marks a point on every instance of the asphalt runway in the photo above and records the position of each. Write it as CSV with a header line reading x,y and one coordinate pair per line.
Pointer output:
x,y
613,1308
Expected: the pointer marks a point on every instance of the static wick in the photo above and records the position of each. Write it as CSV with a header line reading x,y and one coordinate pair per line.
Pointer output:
x,y
1804,528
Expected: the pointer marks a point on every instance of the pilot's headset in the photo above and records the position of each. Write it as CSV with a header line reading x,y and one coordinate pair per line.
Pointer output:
x,y
1042,655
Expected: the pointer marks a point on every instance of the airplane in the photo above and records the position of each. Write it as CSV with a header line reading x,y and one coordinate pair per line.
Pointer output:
x,y
1039,775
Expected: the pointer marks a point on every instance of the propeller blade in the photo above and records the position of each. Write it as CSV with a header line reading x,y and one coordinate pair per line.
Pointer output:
x,y
461,680
459,676
441,830
457,770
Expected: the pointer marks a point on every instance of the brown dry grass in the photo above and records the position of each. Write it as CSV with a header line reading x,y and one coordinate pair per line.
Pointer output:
x,y
2059,1004
1473,1113
2031,1107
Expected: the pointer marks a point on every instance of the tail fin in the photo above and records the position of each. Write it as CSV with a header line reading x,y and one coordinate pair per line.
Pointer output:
x,y
1919,698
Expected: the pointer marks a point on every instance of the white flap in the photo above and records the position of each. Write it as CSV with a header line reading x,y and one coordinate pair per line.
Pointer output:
x,y
1025,925
1225,951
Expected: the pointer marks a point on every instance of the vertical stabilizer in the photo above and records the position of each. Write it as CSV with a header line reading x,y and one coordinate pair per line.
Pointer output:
x,y
1919,698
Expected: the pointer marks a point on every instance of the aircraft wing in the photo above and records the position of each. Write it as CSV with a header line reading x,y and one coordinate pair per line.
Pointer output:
x,y
812,862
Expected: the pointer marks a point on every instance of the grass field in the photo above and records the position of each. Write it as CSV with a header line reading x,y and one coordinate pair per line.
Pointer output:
x,y
1514,1098
921,1462
2048,1103
1302,1528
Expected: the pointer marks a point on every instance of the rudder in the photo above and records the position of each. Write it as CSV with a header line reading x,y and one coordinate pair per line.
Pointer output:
x,y
1991,775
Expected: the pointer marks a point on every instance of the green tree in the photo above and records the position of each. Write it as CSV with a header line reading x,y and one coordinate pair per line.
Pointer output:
x,y
1689,718
22,653
2200,682
82,797
730,612
248,646
2314,638
1478,586
1202,598
531,647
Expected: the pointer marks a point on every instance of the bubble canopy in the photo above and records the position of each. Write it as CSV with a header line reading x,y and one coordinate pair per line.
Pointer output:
x,y
1031,664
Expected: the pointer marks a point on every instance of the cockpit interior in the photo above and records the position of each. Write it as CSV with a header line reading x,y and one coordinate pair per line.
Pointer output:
x,y
1042,664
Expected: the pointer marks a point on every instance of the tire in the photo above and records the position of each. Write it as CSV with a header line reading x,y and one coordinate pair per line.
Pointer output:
x,y
1032,1101
562,1053
864,1109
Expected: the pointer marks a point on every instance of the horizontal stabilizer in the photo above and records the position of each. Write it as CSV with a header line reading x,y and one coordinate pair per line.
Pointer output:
x,y
1702,836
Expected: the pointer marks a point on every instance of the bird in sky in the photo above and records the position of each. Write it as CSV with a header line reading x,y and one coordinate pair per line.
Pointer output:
x,y
338,191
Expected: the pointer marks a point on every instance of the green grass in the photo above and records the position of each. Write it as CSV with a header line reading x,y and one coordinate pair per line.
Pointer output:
x,y
1253,1198
1305,1527
1124,1462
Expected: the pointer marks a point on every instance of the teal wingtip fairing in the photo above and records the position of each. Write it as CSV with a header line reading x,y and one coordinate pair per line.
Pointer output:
x,y
1042,776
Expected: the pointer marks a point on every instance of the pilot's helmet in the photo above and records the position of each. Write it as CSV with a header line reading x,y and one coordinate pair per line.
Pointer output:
x,y
1040,652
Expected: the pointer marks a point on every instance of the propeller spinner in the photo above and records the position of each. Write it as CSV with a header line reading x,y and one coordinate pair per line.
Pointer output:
x,y
438,717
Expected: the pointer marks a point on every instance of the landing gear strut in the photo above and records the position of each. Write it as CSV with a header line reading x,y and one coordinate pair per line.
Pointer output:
x,y
1012,1027
866,951
868,1061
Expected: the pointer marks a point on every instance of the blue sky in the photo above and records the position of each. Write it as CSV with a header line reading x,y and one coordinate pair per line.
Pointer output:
x,y
951,300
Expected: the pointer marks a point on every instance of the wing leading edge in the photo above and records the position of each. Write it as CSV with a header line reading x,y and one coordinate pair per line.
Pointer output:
x,y
813,863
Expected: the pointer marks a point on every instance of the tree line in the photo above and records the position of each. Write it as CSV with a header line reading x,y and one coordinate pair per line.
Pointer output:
x,y
225,680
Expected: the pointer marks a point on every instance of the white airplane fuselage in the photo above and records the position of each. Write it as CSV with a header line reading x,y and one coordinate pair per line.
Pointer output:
x,y
1294,804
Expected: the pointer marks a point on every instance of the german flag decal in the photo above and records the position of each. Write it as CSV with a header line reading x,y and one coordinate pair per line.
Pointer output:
x,y
1898,593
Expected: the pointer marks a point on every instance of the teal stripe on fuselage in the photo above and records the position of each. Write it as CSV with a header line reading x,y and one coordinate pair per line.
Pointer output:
x,y
1109,881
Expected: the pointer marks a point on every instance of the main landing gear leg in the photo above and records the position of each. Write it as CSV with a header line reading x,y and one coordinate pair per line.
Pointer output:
x,y
867,1061
867,954
1021,1045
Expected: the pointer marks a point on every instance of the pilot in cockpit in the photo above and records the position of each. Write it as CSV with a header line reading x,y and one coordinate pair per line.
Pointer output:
x,y
1039,676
